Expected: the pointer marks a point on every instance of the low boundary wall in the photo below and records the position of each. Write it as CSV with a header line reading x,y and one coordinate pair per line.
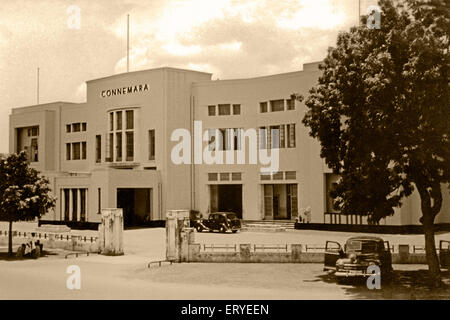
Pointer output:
x,y
243,254
53,241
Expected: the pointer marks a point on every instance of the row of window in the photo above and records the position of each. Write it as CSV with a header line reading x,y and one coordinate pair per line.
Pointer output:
x,y
264,107
118,115
276,105
288,175
270,137
76,127
224,176
76,150
224,109
278,136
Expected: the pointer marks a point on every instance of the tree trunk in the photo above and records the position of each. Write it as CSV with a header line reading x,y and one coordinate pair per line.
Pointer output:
x,y
431,203
10,238
430,251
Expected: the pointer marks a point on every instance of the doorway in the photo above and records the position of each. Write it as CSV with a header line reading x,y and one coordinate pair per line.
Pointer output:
x,y
226,197
136,205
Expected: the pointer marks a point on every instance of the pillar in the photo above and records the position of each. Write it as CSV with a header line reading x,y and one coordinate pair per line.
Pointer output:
x,y
176,221
111,232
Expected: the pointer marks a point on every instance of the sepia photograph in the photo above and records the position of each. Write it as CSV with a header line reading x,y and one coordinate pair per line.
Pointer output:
x,y
223,156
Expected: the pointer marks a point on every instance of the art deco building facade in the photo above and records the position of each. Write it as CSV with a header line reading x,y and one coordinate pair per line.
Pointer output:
x,y
115,150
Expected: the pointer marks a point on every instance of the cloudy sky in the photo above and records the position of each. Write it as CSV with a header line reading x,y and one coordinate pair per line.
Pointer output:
x,y
230,38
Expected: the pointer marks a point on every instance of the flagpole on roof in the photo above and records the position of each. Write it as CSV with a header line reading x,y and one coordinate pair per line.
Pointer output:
x,y
128,42
37,90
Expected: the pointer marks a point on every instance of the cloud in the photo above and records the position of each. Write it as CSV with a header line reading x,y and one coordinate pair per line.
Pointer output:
x,y
236,39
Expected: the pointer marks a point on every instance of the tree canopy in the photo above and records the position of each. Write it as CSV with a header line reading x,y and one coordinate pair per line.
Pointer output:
x,y
381,111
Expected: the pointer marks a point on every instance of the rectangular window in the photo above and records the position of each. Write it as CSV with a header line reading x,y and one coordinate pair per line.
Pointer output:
x,y
118,146
119,120
34,150
99,194
224,109
66,204
265,176
262,138
263,107
211,139
277,105
74,204
290,175
211,110
212,176
110,147
130,146
76,151
236,109
68,128
278,175
291,135
237,138
98,148
83,150
83,205
68,151
76,127
223,141
224,176
84,126
282,136
111,121
290,104
275,137
35,131
236,176
130,119
151,145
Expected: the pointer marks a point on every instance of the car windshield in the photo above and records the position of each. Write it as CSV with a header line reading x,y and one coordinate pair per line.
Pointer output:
x,y
231,216
362,246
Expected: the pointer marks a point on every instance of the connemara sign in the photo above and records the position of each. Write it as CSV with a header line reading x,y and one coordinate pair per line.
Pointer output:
x,y
125,90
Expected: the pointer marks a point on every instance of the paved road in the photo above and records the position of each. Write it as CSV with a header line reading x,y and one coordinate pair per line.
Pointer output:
x,y
128,277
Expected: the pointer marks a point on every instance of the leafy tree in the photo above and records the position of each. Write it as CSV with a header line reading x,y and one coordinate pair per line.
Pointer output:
x,y
24,195
381,112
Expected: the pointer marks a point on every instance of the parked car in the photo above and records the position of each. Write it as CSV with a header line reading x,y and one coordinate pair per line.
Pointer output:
x,y
219,221
356,256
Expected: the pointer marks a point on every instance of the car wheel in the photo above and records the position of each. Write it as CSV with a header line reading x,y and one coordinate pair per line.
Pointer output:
x,y
199,228
341,280
222,229
234,231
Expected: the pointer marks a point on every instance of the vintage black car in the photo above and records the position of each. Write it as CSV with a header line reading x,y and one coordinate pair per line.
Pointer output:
x,y
219,221
356,256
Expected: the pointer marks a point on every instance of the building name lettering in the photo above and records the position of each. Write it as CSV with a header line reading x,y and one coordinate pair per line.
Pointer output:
x,y
124,90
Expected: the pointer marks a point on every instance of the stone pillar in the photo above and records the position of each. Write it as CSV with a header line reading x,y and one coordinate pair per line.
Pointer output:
x,y
176,221
187,238
111,232
296,252
403,252
244,252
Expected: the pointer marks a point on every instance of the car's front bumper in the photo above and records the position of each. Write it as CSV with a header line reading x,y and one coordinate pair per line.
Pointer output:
x,y
352,273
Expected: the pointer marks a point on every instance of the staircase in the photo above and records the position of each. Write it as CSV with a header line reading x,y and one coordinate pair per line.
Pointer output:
x,y
267,225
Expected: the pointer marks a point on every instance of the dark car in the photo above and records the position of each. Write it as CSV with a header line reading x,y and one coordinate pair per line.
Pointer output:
x,y
219,221
356,256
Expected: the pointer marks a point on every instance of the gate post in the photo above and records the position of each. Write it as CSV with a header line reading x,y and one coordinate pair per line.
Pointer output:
x,y
176,221
111,232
